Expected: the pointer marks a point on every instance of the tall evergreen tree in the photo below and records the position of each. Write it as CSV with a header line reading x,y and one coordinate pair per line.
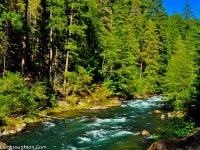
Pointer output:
x,y
180,76
149,57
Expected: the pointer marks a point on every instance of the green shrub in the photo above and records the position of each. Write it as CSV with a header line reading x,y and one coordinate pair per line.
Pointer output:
x,y
72,99
18,98
15,97
175,128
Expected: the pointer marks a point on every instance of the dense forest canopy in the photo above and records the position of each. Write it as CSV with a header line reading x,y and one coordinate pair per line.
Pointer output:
x,y
96,47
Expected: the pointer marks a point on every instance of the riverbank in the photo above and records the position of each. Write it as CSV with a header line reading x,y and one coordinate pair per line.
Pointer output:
x,y
18,124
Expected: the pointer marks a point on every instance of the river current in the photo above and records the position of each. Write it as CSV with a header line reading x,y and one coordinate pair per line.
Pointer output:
x,y
117,128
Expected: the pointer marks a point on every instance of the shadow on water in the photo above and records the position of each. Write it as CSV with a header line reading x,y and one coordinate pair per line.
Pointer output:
x,y
115,128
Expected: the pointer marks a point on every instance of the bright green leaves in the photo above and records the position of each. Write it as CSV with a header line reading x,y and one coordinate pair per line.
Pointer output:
x,y
77,80
14,18
150,56
175,127
58,19
180,76
17,98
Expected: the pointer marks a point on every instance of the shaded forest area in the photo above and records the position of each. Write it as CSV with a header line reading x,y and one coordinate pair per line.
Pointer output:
x,y
91,50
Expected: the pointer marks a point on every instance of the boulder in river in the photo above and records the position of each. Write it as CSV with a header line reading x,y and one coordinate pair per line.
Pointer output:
x,y
145,133
157,112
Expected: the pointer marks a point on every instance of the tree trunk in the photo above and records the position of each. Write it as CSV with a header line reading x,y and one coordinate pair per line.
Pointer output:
x,y
51,49
55,68
66,70
25,48
67,56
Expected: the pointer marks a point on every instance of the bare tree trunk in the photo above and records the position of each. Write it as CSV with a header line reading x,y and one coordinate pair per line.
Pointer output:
x,y
25,48
66,70
55,68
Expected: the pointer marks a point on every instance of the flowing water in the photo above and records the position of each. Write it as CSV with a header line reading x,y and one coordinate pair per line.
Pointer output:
x,y
116,128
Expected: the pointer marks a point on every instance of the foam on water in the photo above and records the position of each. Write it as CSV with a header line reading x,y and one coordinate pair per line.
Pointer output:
x,y
49,124
83,140
146,103
137,133
71,148
97,134
108,121
122,133
102,135
155,98
118,120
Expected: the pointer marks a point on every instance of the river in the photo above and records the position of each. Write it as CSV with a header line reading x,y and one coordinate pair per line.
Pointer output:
x,y
117,128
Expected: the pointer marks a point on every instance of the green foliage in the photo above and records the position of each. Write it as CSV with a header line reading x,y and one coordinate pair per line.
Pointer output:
x,y
78,80
14,18
15,96
175,128
100,94
38,92
72,99
180,77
